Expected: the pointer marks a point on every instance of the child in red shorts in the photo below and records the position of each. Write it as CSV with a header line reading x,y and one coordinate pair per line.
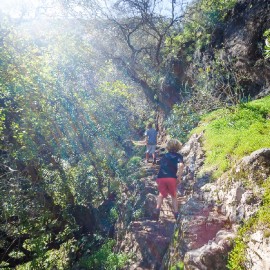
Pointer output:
x,y
170,173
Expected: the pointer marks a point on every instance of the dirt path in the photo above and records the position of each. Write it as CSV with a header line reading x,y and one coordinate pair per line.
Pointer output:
x,y
147,240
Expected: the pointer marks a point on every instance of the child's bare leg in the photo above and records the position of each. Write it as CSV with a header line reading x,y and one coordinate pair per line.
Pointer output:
x,y
159,201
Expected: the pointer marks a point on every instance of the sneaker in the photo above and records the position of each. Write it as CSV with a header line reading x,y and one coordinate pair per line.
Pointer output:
x,y
156,214
154,161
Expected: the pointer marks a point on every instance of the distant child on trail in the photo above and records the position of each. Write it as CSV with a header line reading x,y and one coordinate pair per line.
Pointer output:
x,y
169,176
151,142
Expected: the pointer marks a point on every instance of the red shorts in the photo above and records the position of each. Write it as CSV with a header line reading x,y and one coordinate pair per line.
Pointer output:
x,y
167,186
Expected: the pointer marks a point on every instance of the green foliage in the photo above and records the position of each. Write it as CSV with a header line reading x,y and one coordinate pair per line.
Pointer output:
x,y
237,256
134,163
63,129
267,44
137,214
264,213
2,120
200,19
178,266
113,214
104,258
235,133
182,120
53,259
215,82
229,135
66,113
218,82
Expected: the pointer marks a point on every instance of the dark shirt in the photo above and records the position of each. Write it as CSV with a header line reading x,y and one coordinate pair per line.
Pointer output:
x,y
169,165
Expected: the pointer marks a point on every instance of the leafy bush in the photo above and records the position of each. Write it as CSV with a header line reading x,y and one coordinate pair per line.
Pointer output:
x,y
199,21
104,258
178,266
134,163
219,81
181,121
237,257
113,214
53,259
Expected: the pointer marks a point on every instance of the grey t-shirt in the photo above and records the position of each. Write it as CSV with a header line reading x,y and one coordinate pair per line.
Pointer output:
x,y
151,136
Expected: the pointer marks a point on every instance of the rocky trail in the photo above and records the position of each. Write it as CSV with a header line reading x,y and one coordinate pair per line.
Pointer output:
x,y
148,240
211,213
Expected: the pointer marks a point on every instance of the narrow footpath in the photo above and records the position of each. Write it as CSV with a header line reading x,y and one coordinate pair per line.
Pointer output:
x,y
147,240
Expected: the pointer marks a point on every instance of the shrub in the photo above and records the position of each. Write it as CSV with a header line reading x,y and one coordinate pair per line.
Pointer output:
x,y
60,259
178,266
134,163
199,22
104,258
181,121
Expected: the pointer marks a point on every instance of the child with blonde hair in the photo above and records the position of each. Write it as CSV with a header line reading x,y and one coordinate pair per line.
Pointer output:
x,y
169,176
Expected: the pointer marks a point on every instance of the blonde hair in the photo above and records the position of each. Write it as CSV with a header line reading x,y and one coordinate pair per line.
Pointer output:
x,y
174,145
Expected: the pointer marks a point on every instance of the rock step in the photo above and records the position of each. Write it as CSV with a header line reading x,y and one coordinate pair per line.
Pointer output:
x,y
149,240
